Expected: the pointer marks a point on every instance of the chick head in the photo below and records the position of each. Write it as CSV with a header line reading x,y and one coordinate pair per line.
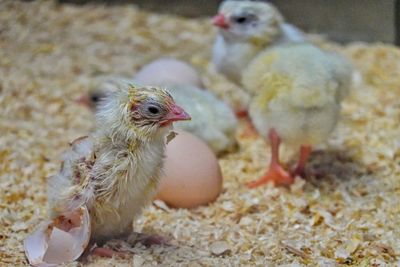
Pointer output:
x,y
92,98
141,112
249,21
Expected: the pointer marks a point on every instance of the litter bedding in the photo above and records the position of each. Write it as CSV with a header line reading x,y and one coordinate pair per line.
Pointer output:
x,y
346,212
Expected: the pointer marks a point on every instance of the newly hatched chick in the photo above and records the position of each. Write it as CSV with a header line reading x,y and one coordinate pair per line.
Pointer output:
x,y
244,29
115,171
212,119
297,90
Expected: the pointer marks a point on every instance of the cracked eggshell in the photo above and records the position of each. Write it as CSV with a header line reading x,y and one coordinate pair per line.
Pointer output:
x,y
192,173
60,240
167,72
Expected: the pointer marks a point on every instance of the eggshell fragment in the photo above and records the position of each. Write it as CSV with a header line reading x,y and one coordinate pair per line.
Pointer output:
x,y
192,173
166,72
60,240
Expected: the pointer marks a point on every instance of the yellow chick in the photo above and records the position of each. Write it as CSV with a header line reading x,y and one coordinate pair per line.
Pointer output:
x,y
296,93
245,28
115,171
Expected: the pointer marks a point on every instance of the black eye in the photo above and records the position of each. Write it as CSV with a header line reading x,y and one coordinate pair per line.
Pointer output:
x,y
153,110
241,20
95,98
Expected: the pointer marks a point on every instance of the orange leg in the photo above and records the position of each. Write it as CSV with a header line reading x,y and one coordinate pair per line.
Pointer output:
x,y
305,152
108,253
243,113
275,173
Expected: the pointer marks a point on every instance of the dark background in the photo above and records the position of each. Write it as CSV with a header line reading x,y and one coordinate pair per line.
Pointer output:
x,y
340,20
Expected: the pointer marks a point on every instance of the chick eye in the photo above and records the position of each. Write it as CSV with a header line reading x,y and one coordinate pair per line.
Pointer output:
x,y
153,110
241,20
95,98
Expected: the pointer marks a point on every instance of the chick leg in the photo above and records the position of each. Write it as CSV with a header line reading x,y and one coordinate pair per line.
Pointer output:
x,y
275,173
305,152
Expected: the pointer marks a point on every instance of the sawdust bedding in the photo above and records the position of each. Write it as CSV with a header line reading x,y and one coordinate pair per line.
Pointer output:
x,y
348,212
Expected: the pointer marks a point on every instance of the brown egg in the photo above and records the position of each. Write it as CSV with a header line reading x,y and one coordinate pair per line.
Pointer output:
x,y
192,173
167,72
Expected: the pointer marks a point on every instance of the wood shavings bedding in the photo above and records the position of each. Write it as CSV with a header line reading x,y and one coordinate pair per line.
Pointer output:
x,y
348,212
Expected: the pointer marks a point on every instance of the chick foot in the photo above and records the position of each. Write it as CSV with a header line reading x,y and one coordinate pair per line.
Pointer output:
x,y
108,253
275,174
299,170
147,240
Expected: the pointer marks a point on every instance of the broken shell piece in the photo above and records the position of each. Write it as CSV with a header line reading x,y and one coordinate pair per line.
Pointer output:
x,y
60,240
220,248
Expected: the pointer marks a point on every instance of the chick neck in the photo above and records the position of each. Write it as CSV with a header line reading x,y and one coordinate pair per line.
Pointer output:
x,y
133,140
255,42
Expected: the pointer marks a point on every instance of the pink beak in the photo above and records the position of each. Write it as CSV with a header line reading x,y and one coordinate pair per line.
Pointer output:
x,y
176,114
220,21
83,100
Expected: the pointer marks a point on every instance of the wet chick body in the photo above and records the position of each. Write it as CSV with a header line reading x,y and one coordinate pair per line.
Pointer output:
x,y
115,171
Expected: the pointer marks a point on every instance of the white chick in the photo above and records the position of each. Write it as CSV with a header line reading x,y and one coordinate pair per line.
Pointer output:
x,y
244,29
296,94
115,171
213,120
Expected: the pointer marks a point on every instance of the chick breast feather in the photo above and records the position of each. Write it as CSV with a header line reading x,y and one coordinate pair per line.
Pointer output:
x,y
297,90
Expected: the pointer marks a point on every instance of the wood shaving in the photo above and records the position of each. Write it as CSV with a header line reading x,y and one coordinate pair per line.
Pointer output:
x,y
347,212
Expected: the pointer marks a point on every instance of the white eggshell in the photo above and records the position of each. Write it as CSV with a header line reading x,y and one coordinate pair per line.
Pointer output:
x,y
52,244
168,71
192,173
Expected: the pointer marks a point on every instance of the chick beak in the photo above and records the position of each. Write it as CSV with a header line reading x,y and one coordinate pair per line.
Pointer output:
x,y
176,113
220,21
84,100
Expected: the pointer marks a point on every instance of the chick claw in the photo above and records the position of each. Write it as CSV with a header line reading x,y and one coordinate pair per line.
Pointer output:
x,y
275,174
108,253
147,240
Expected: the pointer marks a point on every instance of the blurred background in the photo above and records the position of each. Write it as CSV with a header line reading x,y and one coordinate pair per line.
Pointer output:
x,y
339,20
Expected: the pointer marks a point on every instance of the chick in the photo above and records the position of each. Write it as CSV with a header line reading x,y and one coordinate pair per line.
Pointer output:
x,y
245,28
115,171
296,94
213,120
101,87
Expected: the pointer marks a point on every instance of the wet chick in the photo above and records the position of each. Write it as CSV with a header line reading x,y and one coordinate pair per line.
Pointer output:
x,y
296,94
115,171
244,29
212,119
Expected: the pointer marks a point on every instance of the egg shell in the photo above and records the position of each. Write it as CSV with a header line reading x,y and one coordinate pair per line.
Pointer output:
x,y
58,241
192,173
168,71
